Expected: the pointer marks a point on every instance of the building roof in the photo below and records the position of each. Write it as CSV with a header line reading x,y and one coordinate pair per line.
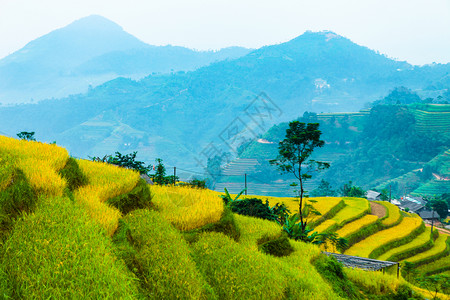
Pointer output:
x,y
428,214
373,195
412,206
361,262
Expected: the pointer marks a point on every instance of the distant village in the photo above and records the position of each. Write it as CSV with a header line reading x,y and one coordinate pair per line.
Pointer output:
x,y
412,204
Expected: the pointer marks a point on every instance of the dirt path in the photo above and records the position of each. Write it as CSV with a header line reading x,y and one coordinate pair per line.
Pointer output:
x,y
377,209
441,230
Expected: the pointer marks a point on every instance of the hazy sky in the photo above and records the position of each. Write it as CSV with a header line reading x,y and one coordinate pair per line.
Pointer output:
x,y
412,30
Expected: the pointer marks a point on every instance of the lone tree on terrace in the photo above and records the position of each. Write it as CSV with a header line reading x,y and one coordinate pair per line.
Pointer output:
x,y
294,152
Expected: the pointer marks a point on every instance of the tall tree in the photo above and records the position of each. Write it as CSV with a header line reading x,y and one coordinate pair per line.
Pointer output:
x,y
294,157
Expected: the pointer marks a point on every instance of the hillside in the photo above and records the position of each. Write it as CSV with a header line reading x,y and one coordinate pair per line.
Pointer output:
x,y
75,228
86,53
317,71
402,146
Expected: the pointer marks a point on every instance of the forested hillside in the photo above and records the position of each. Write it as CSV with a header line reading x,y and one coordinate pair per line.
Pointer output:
x,y
370,148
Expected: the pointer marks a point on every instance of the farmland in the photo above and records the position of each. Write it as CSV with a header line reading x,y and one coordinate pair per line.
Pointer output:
x,y
112,236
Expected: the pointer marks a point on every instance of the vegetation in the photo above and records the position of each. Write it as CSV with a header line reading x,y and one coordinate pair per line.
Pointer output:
x,y
175,241
294,152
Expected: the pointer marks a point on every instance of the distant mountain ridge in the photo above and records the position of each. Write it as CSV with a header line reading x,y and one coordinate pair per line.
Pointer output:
x,y
91,51
176,116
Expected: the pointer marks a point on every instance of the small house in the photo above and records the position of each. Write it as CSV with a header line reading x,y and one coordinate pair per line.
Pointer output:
x,y
373,195
429,215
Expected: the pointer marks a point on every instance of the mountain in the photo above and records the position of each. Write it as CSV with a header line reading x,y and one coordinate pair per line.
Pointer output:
x,y
90,51
185,117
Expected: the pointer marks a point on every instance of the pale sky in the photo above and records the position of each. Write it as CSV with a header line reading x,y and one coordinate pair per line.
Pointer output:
x,y
414,30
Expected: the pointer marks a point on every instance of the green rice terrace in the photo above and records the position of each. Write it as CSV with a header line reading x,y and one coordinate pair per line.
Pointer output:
x,y
74,229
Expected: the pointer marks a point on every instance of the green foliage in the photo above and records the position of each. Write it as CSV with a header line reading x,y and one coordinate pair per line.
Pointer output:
x,y
293,157
399,96
279,246
440,206
73,175
324,189
195,183
139,197
409,271
28,136
160,174
155,251
254,207
349,190
333,272
435,284
125,161
227,199
60,252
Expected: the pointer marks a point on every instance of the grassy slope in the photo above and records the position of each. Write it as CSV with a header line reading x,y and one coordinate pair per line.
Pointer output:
x,y
53,249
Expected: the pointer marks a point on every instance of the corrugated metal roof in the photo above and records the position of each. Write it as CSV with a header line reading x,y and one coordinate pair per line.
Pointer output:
x,y
361,262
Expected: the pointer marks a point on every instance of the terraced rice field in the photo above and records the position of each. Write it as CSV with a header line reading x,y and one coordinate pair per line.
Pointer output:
x,y
354,209
392,214
385,237
440,248
420,241
436,266
356,225
433,117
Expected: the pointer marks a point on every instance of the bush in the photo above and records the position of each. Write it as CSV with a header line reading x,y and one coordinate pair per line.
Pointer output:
x,y
253,207
279,246
155,251
195,183
139,197
73,175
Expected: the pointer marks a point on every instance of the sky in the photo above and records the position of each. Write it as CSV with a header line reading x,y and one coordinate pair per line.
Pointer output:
x,y
417,31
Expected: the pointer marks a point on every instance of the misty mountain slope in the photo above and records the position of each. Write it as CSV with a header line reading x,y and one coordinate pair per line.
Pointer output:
x,y
91,51
182,113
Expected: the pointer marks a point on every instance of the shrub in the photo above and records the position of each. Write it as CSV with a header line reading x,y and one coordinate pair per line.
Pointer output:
x,y
195,183
279,246
253,207
159,256
73,175
139,197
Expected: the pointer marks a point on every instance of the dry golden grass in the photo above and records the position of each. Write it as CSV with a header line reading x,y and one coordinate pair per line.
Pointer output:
x,y
383,237
187,208
105,181
356,225
40,163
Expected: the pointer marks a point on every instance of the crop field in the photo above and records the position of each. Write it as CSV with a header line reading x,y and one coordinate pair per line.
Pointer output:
x,y
40,162
187,208
384,237
74,244
356,225
420,241
433,117
439,248
393,214
437,266
105,181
